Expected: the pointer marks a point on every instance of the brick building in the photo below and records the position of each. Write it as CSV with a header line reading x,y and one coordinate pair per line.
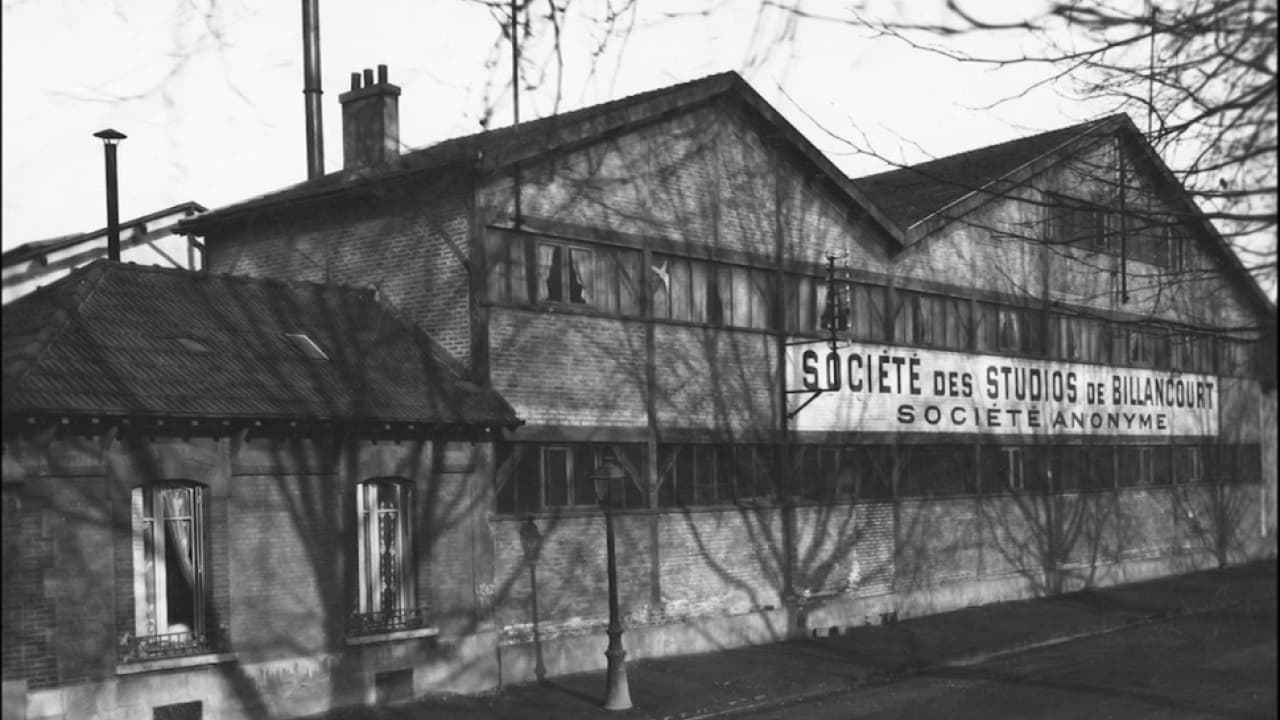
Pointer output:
x,y
230,497
1010,372
644,278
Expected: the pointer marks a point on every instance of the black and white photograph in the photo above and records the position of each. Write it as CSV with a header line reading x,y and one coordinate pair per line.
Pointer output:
x,y
649,359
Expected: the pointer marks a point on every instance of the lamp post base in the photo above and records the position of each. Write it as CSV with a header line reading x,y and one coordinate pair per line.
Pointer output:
x,y
617,691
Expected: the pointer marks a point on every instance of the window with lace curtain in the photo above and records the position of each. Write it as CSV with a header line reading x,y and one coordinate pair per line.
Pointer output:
x,y
169,593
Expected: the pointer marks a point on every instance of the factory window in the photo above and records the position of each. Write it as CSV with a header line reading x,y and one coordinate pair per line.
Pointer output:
x,y
1085,223
825,473
866,312
565,273
1238,463
536,477
617,281
1136,465
692,475
1083,467
934,470
1235,355
1146,347
803,310
1017,330
385,579
875,472
521,268
169,594
865,305
1015,468
1188,464
1078,339
1191,352
704,292
1003,468
831,473
932,320
1176,250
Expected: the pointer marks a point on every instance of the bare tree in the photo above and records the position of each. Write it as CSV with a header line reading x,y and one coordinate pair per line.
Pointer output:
x,y
1201,74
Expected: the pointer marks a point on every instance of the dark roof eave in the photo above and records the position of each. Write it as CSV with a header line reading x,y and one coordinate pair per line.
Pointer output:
x,y
293,196
19,417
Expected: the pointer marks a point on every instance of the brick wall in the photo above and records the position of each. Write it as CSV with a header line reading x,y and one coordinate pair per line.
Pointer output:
x,y
714,379
414,252
670,565
844,549
937,542
569,369
285,554
28,613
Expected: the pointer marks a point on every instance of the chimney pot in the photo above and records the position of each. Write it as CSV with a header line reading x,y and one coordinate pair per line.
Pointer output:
x,y
368,77
382,74
355,81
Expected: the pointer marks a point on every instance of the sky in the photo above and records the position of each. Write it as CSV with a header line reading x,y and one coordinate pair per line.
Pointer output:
x,y
210,93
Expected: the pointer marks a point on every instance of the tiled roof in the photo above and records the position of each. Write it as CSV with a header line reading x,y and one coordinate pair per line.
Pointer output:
x,y
497,147
115,339
911,194
493,149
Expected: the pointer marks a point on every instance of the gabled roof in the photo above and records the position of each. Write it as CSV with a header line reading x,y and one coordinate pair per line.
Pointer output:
x,y
911,195
124,340
922,198
487,151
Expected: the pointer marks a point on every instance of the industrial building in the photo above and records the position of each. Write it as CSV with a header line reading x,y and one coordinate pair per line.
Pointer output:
x,y
1021,370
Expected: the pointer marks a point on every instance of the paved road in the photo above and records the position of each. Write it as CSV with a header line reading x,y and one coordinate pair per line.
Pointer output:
x,y
1221,665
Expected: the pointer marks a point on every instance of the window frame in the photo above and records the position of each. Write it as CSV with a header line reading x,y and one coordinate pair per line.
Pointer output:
x,y
374,612
150,536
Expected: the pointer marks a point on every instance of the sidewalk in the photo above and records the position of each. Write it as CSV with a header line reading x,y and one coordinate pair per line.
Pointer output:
x,y
703,686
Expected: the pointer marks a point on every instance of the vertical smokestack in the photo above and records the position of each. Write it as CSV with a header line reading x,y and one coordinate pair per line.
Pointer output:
x,y
311,87
111,138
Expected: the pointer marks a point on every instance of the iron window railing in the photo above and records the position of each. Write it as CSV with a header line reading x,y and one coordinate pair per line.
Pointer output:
x,y
136,648
385,621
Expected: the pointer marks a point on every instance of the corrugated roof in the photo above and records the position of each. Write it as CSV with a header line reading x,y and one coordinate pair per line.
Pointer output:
x,y
911,194
115,339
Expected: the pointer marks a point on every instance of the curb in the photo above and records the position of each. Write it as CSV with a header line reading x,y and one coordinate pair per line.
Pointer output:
x,y
883,677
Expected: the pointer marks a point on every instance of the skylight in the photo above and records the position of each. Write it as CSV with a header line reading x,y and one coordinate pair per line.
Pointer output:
x,y
305,345
193,345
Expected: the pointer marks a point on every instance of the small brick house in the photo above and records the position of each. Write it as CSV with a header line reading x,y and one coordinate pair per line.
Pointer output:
x,y
1011,372
229,497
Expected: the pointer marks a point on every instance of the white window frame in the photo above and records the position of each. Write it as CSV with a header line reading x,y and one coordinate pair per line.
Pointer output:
x,y
371,574
150,577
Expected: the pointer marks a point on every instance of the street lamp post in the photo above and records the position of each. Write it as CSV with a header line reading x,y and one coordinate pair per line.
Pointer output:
x,y
111,138
531,542
607,479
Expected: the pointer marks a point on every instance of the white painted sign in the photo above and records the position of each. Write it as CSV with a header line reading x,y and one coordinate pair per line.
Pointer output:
x,y
878,388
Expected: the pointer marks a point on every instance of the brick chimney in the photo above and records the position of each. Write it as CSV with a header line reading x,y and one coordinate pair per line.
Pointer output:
x,y
370,121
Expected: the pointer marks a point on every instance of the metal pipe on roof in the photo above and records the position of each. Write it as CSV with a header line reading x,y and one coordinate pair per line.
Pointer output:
x,y
311,87
110,138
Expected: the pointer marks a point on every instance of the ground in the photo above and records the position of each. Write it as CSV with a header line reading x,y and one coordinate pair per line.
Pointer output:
x,y
1215,665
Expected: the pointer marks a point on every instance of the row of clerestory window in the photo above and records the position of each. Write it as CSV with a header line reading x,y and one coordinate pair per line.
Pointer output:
x,y
549,477
528,270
